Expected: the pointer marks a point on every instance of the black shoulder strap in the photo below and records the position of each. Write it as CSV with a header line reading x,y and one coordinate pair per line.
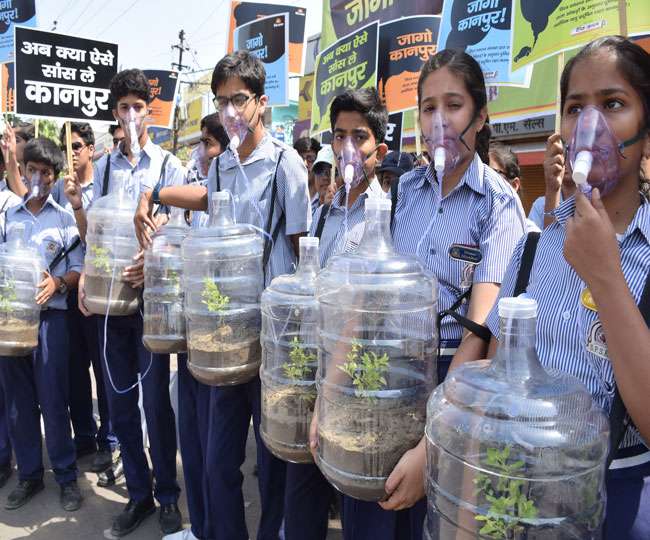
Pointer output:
x,y
527,258
107,172
325,210
161,181
618,418
276,231
475,328
63,253
218,176
394,187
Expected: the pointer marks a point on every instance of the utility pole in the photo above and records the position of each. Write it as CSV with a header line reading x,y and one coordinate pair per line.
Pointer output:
x,y
180,67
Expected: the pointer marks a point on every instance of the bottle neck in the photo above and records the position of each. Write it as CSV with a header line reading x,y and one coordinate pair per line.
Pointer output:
x,y
516,356
309,262
221,213
376,235
176,217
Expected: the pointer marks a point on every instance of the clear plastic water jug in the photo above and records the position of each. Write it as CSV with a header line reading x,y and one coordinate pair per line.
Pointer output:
x,y
21,269
164,318
111,246
223,281
377,358
290,357
514,450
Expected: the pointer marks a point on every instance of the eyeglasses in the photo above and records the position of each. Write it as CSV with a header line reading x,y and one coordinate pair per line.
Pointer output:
x,y
76,146
239,101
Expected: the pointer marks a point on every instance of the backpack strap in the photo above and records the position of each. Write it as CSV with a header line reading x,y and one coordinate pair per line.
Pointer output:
x,y
161,180
475,328
107,172
63,253
278,225
618,417
321,220
394,188
527,258
218,176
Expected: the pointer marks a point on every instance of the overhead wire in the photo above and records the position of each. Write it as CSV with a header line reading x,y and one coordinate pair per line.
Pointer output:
x,y
118,17
83,12
218,6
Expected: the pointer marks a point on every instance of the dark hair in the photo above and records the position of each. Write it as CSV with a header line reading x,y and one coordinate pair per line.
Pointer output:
x,y
42,150
25,131
631,59
507,159
305,144
82,129
366,102
462,64
113,128
212,123
130,81
244,65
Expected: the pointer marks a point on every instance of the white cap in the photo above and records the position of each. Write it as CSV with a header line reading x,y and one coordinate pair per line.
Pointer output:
x,y
582,167
325,155
309,241
219,196
378,203
520,307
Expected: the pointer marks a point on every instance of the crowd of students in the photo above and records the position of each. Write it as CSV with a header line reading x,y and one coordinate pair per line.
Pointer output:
x,y
600,245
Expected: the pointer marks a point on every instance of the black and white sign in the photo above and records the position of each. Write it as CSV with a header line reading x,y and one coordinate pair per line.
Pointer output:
x,y
393,138
60,76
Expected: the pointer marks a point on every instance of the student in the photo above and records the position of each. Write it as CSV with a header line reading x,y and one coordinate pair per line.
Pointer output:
x,y
322,172
84,347
248,171
357,116
558,183
471,206
38,384
141,165
505,162
194,396
117,134
590,270
308,148
394,165
14,140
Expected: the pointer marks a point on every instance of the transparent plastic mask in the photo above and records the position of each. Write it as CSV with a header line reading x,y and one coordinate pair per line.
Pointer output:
x,y
594,152
351,161
36,187
134,124
236,126
443,144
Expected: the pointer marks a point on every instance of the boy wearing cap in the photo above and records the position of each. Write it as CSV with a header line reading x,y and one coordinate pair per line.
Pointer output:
x,y
395,164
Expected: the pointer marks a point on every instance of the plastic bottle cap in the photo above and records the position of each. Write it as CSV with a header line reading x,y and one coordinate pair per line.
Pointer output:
x,y
377,203
348,175
309,241
439,158
582,167
219,196
517,308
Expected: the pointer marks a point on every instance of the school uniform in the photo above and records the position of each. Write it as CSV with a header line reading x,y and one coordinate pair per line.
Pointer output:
x,y
315,203
194,421
483,213
84,353
569,338
196,176
251,185
127,358
38,383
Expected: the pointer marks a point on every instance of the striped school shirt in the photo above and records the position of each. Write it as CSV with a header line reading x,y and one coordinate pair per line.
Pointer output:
x,y
482,211
565,328
334,239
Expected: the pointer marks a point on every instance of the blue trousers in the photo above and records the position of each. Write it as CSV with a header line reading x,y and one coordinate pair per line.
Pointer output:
x,y
628,503
5,443
364,520
231,408
126,358
84,353
193,425
307,501
37,385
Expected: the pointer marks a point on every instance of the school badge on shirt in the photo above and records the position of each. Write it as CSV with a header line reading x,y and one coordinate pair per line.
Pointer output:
x,y
471,256
596,342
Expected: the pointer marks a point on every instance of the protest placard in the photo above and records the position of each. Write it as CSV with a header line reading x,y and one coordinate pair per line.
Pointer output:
x,y
348,64
7,87
404,46
12,12
245,12
267,39
59,76
341,17
393,138
164,89
482,28
543,29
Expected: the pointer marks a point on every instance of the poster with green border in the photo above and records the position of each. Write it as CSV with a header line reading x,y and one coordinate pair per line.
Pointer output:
x,y
350,63
543,28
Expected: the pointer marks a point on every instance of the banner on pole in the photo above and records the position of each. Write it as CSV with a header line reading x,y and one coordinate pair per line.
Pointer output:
x,y
393,138
7,87
12,12
59,76
164,89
